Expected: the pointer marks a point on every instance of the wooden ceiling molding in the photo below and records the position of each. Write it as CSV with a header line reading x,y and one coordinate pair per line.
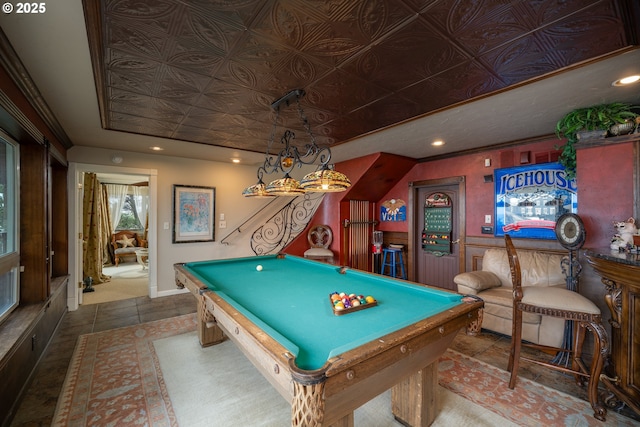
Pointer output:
x,y
208,71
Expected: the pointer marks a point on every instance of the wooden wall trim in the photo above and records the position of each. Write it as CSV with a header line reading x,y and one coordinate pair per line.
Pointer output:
x,y
22,123
10,61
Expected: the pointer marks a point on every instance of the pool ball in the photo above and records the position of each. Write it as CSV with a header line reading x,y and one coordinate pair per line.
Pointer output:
x,y
259,267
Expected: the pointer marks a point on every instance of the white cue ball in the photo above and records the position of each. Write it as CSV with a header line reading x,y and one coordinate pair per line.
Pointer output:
x,y
259,267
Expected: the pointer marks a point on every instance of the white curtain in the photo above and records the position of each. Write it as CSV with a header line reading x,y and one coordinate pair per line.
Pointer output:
x,y
117,195
141,196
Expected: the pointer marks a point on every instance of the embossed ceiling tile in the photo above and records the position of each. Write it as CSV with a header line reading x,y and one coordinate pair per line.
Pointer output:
x,y
203,119
210,137
141,125
199,61
258,50
341,27
237,12
522,60
237,74
463,83
586,36
392,109
131,82
317,117
210,29
405,57
547,11
481,25
137,9
352,125
295,72
235,105
125,62
137,40
340,92
136,100
569,41
467,81
174,76
420,5
284,24
154,109
218,91
255,146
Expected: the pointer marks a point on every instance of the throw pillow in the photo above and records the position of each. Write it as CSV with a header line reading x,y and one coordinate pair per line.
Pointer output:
x,y
126,242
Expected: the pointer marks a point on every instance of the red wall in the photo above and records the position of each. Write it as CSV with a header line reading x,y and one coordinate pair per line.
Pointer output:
x,y
479,195
329,211
604,179
605,188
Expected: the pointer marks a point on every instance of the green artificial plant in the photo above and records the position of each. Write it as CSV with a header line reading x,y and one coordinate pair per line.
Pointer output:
x,y
597,117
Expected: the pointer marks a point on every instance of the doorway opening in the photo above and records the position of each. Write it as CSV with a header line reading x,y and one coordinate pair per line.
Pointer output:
x,y
136,275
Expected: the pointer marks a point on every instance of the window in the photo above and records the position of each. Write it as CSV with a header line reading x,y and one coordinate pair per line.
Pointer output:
x,y
129,219
128,206
9,226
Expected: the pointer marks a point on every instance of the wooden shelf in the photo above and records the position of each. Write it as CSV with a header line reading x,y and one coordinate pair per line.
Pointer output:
x,y
599,142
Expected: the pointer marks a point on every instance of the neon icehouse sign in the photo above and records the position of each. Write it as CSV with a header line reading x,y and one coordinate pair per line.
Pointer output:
x,y
529,199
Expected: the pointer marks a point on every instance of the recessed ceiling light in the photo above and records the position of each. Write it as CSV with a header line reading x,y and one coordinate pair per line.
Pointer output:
x,y
626,80
156,148
437,143
235,160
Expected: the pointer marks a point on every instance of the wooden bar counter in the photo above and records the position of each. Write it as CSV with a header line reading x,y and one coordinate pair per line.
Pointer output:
x,y
620,272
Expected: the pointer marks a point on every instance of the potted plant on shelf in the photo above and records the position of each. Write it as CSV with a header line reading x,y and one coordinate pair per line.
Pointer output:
x,y
579,123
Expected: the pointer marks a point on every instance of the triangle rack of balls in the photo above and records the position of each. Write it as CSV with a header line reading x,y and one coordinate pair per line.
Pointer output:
x,y
343,303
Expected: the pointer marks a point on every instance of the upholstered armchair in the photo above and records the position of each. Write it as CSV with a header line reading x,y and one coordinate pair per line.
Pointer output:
x,y
126,243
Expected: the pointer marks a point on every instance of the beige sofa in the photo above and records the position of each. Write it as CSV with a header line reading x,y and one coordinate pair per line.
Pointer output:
x,y
493,284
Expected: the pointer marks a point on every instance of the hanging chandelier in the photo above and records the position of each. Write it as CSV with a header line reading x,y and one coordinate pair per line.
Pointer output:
x,y
324,179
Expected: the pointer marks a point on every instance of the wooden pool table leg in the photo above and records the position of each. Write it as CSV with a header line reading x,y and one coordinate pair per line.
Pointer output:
x,y
413,400
307,405
209,333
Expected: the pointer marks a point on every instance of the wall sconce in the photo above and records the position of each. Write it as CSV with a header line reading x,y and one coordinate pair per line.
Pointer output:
x,y
325,179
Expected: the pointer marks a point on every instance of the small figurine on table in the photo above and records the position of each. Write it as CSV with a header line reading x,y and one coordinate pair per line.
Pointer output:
x,y
625,230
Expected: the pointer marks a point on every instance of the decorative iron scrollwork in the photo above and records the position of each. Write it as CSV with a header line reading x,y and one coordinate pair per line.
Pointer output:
x,y
285,225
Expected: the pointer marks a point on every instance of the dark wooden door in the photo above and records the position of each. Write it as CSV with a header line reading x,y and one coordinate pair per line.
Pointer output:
x,y
438,269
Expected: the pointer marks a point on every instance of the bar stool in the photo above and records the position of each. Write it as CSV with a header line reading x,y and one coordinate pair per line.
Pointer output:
x,y
392,256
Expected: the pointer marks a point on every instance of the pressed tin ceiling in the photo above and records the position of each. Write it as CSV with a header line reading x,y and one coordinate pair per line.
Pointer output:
x,y
207,71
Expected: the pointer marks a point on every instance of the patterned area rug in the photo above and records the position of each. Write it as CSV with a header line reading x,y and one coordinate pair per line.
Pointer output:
x,y
115,379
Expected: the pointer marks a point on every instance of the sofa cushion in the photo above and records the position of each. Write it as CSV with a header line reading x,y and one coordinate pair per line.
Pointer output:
x,y
477,280
538,269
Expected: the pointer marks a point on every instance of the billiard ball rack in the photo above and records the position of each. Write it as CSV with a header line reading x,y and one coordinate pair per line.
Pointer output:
x,y
352,308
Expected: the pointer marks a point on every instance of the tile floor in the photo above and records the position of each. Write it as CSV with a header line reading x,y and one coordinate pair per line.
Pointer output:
x,y
38,405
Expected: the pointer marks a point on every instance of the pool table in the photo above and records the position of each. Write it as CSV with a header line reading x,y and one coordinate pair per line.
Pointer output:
x,y
327,365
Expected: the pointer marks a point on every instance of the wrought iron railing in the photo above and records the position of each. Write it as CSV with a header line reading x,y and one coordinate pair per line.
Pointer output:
x,y
279,230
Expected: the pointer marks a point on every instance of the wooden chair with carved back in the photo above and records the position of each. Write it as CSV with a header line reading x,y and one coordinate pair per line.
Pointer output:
x,y
565,304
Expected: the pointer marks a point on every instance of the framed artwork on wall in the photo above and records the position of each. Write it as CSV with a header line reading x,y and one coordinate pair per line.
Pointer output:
x,y
529,199
193,213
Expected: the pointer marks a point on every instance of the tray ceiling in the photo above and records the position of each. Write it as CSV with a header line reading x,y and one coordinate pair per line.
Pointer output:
x,y
207,71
